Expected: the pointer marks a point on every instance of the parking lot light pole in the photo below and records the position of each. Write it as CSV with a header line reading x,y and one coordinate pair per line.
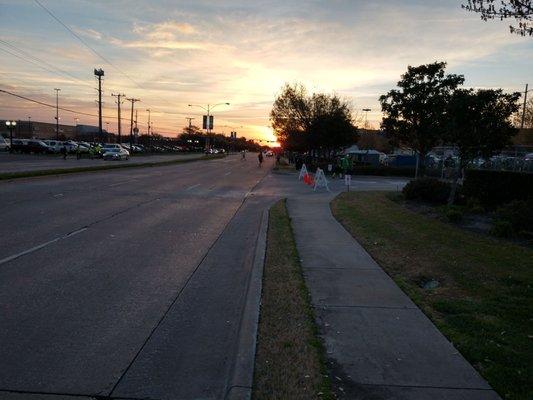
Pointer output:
x,y
11,126
57,113
208,109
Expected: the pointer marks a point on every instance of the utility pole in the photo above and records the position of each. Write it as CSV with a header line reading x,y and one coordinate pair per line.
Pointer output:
x,y
133,101
119,102
524,108
57,113
148,130
99,73
190,124
29,125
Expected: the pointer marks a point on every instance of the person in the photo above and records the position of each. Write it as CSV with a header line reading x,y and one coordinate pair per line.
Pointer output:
x,y
243,154
260,158
64,151
78,152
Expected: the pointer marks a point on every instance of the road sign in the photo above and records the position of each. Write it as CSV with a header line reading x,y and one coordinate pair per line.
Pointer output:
x,y
348,181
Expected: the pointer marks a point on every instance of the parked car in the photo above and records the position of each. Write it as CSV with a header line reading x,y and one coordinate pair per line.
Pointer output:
x,y
30,146
4,144
54,145
116,154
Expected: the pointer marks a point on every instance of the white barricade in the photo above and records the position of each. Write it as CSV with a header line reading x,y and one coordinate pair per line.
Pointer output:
x,y
320,180
303,172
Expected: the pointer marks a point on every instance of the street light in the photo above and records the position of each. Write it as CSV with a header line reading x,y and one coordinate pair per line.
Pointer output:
x,y
208,109
366,110
11,126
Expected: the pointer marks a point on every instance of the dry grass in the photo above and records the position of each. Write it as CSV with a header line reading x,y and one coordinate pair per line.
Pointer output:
x,y
289,361
485,302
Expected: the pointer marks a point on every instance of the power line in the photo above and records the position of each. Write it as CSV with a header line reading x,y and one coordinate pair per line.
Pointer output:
x,y
32,57
42,103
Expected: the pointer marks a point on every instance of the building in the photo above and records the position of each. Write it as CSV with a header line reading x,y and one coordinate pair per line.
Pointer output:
x,y
45,130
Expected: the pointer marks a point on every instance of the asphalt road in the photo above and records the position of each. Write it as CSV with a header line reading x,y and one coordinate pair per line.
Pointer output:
x,y
127,283
33,162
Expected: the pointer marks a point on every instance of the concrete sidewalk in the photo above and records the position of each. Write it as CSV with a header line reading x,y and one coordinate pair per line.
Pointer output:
x,y
379,344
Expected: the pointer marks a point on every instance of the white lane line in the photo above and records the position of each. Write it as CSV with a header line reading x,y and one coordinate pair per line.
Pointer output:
x,y
227,173
193,186
121,183
58,195
38,247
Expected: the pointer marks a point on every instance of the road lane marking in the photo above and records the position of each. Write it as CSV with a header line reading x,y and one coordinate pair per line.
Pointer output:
x,y
121,183
227,173
38,247
193,186
58,195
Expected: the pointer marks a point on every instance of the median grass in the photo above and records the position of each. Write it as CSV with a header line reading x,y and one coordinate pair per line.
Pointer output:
x,y
289,360
62,171
484,302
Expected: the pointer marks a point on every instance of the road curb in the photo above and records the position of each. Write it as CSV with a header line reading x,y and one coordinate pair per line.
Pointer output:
x,y
241,381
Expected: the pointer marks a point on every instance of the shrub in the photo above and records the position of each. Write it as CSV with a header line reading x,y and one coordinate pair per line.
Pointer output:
x,y
502,229
453,214
495,188
518,214
427,189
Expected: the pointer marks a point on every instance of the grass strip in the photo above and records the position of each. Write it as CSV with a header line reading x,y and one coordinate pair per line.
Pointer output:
x,y
484,303
289,361
62,171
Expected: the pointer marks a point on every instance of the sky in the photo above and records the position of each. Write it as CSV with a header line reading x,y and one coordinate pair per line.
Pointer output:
x,y
171,54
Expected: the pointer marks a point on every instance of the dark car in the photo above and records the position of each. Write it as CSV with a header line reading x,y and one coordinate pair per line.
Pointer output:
x,y
37,146
19,145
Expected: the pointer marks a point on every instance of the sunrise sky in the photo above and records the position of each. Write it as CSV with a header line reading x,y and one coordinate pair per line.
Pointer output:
x,y
172,53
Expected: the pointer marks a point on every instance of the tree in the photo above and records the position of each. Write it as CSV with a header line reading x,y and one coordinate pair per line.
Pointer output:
x,y
415,115
520,10
303,122
479,124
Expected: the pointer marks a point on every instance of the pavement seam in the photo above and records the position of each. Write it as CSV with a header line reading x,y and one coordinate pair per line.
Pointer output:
x,y
325,306
425,387
180,291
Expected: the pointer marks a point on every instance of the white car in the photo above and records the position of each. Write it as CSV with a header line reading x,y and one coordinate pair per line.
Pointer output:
x,y
116,154
4,144
54,145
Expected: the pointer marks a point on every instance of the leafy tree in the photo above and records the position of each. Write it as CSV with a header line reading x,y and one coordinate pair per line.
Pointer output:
x,y
192,130
311,122
415,114
520,10
479,124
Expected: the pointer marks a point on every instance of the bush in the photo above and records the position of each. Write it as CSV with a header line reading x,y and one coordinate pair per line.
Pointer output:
x,y
502,229
427,189
453,214
518,214
495,188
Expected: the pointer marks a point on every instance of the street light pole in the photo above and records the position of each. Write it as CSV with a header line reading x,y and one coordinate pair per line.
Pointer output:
x,y
524,108
29,125
11,126
57,113
208,125
366,110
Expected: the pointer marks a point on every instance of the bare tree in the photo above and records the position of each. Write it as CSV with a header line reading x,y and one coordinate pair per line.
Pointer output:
x,y
520,10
